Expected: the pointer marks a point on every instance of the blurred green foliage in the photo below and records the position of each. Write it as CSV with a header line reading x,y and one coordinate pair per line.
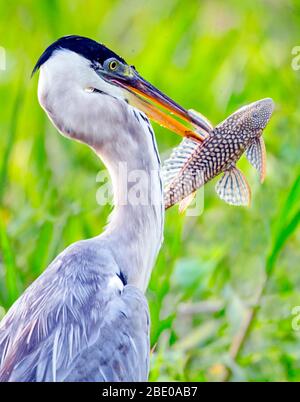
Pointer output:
x,y
213,56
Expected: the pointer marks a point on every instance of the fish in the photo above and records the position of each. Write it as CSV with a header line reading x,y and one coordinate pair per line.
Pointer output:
x,y
192,164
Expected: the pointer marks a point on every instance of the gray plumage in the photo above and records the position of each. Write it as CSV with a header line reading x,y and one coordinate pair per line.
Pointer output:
x,y
71,325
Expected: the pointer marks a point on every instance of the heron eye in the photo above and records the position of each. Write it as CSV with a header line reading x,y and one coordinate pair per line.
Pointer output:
x,y
113,65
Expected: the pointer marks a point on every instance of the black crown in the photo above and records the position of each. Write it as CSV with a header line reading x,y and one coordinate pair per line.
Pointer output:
x,y
86,47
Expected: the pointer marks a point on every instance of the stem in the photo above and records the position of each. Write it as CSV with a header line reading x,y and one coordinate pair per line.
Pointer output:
x,y
245,329
239,340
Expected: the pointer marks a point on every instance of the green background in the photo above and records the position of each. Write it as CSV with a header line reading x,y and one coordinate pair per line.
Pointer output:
x,y
214,270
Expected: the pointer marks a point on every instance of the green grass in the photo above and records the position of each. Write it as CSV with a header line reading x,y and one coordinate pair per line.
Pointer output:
x,y
213,56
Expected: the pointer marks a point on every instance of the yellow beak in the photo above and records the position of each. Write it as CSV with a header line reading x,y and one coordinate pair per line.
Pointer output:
x,y
147,98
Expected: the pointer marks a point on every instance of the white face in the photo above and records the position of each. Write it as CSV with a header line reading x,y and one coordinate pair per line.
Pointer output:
x,y
64,91
69,69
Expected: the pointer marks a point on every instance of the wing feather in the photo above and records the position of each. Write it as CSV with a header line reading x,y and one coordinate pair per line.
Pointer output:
x,y
65,329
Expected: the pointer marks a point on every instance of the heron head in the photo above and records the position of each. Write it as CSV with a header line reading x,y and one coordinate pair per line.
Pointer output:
x,y
99,70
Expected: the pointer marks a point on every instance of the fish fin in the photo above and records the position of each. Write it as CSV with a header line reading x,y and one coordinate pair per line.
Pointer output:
x,y
256,155
179,157
200,117
233,187
184,204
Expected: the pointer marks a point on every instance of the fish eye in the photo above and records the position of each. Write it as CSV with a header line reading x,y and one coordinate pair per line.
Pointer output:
x,y
255,115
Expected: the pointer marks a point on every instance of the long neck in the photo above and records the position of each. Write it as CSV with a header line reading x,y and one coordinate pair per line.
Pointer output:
x,y
135,230
124,140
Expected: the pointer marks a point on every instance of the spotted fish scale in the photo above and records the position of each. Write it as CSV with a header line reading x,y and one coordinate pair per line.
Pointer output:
x,y
193,164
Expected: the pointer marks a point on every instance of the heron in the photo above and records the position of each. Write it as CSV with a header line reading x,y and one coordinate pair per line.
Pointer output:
x,y
86,317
